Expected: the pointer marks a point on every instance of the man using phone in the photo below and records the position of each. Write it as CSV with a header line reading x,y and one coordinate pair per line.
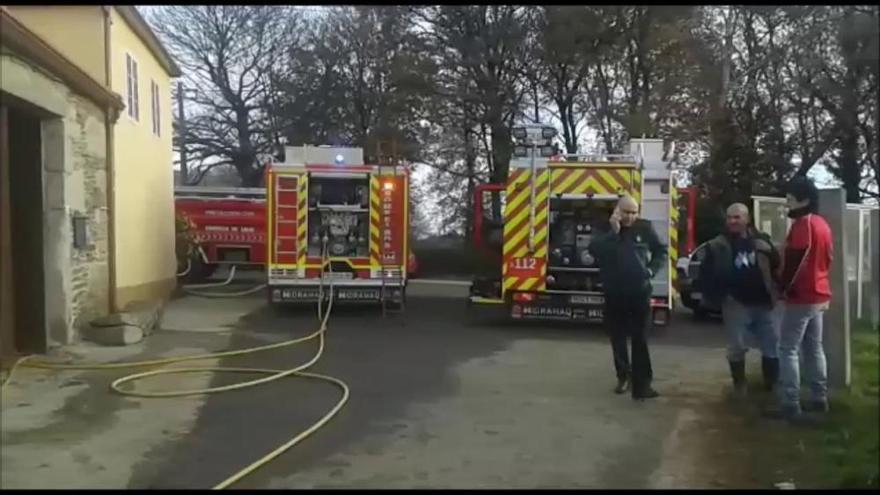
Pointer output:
x,y
629,254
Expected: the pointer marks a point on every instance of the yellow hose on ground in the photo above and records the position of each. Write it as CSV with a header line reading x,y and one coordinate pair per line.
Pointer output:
x,y
272,376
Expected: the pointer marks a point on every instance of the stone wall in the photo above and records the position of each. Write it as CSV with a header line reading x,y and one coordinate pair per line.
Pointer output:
x,y
74,179
85,133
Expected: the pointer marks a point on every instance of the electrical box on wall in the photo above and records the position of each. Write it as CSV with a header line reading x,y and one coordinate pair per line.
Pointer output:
x,y
81,237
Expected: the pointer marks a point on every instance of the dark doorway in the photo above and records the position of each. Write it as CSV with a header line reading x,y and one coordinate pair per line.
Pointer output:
x,y
21,223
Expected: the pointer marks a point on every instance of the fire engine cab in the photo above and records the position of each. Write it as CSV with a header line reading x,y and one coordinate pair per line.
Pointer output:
x,y
331,215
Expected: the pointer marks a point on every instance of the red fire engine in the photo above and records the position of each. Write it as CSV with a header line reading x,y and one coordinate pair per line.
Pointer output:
x,y
229,224
331,215
535,229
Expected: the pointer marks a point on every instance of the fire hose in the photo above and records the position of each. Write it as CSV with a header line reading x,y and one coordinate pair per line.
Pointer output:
x,y
190,289
272,375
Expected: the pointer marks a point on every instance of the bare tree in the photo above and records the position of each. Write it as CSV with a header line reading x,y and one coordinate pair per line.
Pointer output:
x,y
563,56
358,79
848,91
484,46
229,54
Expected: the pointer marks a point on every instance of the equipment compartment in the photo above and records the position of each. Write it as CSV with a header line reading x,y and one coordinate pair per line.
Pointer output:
x,y
573,224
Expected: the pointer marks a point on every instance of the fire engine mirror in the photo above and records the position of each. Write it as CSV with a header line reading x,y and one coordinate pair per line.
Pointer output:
x,y
80,232
548,150
519,132
520,151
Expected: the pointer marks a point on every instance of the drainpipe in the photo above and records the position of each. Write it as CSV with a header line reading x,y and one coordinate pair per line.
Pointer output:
x,y
109,122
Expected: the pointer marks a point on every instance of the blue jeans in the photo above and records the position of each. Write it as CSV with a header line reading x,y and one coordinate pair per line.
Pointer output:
x,y
802,328
739,320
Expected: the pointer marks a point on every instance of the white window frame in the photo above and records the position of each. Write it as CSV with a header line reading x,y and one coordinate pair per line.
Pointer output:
x,y
155,107
132,88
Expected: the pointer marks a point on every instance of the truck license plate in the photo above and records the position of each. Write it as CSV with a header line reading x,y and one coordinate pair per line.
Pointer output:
x,y
578,299
338,276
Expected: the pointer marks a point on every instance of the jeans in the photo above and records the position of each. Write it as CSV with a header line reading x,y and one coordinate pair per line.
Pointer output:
x,y
760,321
802,327
627,318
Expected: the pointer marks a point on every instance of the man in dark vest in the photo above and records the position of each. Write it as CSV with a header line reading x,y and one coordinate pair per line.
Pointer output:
x,y
629,254
737,275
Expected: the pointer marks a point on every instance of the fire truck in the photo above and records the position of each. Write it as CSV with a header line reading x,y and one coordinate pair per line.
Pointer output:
x,y
229,225
331,215
536,228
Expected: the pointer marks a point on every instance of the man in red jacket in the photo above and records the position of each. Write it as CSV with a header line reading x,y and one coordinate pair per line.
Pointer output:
x,y
807,293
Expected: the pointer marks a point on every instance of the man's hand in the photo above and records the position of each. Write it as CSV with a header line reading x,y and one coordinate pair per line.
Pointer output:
x,y
615,221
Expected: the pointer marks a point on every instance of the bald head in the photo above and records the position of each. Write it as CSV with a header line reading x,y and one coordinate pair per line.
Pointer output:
x,y
628,210
628,203
738,208
737,218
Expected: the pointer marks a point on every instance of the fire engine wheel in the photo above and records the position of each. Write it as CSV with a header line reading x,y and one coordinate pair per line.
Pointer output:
x,y
700,315
392,305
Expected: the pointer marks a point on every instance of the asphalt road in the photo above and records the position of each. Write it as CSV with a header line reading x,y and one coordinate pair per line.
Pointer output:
x,y
441,399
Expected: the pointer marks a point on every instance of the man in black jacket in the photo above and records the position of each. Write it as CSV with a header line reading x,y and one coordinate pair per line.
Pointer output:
x,y
737,275
629,255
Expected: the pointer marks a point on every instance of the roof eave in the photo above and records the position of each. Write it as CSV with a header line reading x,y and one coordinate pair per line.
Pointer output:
x,y
143,30
20,39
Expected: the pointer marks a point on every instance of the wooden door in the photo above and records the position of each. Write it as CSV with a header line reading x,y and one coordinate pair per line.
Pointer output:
x,y
7,303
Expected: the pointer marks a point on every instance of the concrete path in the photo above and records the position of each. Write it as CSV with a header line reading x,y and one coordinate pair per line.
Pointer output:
x,y
67,430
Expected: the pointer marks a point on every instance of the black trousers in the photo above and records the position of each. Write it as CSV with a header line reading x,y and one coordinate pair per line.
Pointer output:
x,y
626,318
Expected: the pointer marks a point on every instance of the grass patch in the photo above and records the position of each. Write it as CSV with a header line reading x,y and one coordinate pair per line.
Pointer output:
x,y
849,443
842,453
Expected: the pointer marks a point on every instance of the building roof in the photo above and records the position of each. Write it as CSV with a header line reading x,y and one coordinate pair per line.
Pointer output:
x,y
21,40
139,25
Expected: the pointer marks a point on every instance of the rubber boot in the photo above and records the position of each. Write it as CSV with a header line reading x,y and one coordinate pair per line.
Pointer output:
x,y
644,393
738,373
770,370
622,385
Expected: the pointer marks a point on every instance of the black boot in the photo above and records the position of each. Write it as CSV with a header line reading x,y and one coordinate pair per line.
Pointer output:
x,y
738,372
643,393
770,370
622,385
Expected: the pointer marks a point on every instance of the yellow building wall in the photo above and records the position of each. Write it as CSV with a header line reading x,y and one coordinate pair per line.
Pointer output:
x,y
77,32
144,185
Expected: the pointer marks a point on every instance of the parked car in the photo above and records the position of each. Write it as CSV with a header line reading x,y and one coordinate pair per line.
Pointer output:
x,y
688,271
